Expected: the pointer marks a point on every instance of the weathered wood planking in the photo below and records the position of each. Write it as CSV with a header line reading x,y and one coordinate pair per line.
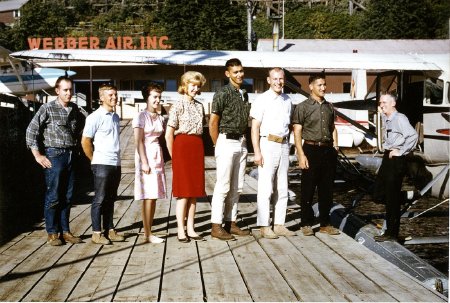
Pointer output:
x,y
142,277
221,276
388,277
320,268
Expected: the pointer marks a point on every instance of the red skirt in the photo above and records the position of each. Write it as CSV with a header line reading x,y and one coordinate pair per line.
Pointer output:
x,y
188,166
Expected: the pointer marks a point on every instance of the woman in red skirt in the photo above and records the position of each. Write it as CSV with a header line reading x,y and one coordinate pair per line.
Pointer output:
x,y
185,145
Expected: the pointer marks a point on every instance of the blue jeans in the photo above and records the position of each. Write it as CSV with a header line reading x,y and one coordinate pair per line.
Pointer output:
x,y
59,180
106,183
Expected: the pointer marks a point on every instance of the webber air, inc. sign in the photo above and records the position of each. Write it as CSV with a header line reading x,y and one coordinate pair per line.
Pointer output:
x,y
143,42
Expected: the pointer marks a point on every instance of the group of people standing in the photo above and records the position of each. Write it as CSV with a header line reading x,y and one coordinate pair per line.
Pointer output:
x,y
52,138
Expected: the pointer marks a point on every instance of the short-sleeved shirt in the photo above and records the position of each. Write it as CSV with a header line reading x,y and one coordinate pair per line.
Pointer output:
x,y
398,133
274,112
56,125
187,117
104,129
316,119
233,109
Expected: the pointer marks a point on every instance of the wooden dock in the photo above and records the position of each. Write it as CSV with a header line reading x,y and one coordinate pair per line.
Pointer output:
x,y
318,268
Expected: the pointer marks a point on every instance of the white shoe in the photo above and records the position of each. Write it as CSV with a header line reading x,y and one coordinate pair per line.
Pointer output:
x,y
155,239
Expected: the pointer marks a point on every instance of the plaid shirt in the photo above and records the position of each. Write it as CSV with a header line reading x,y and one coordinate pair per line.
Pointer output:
x,y
54,126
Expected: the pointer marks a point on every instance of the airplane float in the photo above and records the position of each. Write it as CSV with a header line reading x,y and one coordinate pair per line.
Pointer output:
x,y
420,80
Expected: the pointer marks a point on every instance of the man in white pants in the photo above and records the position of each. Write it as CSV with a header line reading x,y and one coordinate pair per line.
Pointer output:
x,y
271,113
227,127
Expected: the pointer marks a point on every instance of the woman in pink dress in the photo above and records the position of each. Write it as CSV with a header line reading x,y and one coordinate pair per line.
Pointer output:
x,y
150,180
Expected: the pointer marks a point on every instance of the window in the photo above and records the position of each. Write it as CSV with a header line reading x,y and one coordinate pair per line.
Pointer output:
x,y
215,85
346,86
16,13
434,91
171,85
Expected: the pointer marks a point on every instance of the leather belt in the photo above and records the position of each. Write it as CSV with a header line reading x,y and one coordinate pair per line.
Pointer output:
x,y
275,138
233,136
317,143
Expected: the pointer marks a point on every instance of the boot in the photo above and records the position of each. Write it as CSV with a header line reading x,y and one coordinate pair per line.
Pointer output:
x,y
231,228
219,233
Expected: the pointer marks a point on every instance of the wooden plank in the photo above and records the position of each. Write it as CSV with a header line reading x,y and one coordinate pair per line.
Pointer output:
x,y
307,283
390,278
221,276
100,280
142,277
182,280
263,280
350,282
57,284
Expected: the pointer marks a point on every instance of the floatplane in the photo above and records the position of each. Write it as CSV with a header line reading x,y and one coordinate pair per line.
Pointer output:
x,y
20,78
420,81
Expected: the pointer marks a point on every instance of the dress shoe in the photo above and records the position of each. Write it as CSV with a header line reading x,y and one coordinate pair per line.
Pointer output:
x,y
329,230
98,238
113,236
307,231
69,237
217,232
267,232
232,228
53,240
184,240
281,230
385,238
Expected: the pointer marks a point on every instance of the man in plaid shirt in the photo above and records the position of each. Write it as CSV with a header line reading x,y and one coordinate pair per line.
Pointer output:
x,y
52,137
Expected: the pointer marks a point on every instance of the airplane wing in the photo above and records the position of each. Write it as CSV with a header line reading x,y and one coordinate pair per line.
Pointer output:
x,y
293,61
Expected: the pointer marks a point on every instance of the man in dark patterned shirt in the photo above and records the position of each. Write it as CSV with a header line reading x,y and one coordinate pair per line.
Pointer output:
x,y
52,137
313,122
227,127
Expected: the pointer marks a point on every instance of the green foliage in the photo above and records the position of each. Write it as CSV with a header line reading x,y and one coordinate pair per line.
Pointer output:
x,y
398,19
319,23
203,24
39,19
222,24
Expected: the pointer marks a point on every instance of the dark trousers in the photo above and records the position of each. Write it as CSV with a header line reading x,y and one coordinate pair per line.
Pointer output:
x,y
106,183
320,174
388,186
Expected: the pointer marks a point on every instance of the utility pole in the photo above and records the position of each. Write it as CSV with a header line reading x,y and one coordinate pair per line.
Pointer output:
x,y
249,24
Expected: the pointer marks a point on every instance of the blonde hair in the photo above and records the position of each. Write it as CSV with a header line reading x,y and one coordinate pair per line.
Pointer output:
x,y
105,87
191,77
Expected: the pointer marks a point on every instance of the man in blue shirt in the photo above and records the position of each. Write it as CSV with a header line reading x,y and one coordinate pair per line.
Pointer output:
x,y
399,139
100,143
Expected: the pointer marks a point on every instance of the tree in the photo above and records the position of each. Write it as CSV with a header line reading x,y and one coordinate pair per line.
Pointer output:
x,y
320,22
398,19
48,19
203,24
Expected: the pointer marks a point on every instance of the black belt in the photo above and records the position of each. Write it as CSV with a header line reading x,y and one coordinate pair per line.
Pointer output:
x,y
233,136
317,143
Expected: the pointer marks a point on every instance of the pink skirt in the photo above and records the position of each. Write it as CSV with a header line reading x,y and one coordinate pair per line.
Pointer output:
x,y
188,166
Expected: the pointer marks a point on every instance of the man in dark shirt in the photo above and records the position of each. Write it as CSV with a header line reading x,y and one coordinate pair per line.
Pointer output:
x,y
52,137
227,127
313,122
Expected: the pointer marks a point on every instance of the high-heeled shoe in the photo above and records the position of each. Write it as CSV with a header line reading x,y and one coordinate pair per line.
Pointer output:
x,y
197,238
184,240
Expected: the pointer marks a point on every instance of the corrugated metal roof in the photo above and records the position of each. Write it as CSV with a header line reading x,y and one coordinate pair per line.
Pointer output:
x,y
6,6
431,46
